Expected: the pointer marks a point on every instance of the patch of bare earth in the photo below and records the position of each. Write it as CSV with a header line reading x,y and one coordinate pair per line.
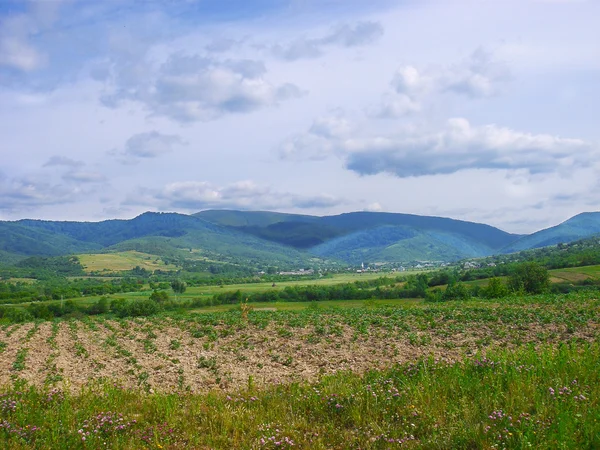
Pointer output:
x,y
166,356
38,351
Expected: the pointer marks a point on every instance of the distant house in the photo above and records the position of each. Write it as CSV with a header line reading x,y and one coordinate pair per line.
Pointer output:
x,y
298,272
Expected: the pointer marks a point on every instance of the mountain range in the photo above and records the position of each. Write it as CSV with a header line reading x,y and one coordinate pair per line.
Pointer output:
x,y
261,237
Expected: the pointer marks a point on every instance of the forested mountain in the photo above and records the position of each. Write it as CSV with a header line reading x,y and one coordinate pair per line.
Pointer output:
x,y
578,227
19,239
370,236
262,237
155,233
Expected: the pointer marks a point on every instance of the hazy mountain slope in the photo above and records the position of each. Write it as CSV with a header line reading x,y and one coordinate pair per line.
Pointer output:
x,y
577,227
306,231
300,235
400,244
362,245
481,233
234,218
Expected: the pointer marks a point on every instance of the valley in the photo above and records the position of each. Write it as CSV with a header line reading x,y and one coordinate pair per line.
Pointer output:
x,y
301,331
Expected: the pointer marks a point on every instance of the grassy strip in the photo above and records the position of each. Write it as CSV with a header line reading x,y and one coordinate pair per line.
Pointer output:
x,y
532,398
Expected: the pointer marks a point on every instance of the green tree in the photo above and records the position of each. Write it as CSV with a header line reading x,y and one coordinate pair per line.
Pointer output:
x,y
417,284
178,286
529,277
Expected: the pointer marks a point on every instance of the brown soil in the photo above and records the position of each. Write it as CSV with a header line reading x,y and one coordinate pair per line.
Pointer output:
x,y
165,356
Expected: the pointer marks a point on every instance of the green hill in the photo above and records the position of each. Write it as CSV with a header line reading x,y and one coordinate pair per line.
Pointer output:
x,y
400,244
578,227
19,239
234,218
165,234
261,238
360,236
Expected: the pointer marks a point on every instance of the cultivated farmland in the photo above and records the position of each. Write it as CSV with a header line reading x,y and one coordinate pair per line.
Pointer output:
x,y
510,373
222,350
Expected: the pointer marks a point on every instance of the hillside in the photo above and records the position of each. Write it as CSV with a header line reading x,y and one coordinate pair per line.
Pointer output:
x,y
164,234
18,239
368,236
263,238
235,218
578,227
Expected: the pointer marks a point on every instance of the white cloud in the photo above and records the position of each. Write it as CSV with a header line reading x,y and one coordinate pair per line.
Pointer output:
x,y
82,176
476,77
374,207
30,192
318,142
16,50
198,195
458,147
193,88
348,36
480,75
20,31
147,145
461,146
330,127
408,80
57,160
394,106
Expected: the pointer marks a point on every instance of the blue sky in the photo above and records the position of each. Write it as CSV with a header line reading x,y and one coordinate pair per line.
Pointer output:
x,y
482,110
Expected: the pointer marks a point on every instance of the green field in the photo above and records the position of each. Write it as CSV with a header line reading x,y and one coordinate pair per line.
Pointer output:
x,y
208,291
576,274
117,262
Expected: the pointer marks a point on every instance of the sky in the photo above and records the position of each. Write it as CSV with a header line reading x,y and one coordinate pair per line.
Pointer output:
x,y
480,110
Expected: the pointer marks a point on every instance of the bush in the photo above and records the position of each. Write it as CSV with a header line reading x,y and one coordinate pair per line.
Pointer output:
x,y
137,308
495,289
457,291
18,315
159,296
530,278
434,295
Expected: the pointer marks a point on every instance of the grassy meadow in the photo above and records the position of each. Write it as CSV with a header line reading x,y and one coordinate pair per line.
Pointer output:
x,y
208,291
122,261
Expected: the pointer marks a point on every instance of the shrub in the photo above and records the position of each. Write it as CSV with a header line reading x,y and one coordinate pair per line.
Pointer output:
x,y
457,291
529,277
495,289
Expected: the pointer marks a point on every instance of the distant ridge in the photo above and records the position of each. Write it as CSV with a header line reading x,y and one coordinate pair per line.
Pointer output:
x,y
149,232
578,227
259,238
358,236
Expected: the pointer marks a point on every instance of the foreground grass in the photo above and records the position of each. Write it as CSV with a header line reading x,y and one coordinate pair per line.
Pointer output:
x,y
530,398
